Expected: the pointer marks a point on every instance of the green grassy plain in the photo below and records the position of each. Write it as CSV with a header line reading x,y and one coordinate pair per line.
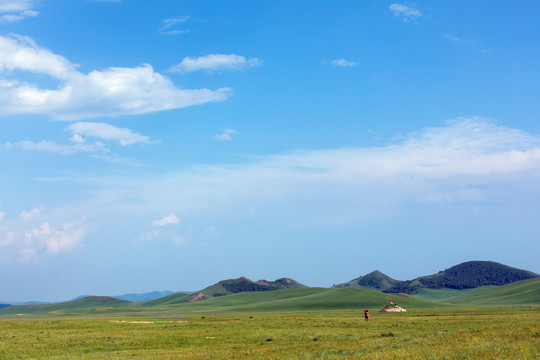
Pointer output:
x,y
310,323
337,334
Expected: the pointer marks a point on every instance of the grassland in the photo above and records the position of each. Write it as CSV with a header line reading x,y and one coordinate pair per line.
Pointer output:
x,y
518,293
340,334
310,323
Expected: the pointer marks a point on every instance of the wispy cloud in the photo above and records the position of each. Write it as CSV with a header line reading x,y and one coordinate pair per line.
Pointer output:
x,y
168,24
81,130
452,38
458,41
342,63
408,13
215,62
16,10
435,164
226,136
52,147
112,92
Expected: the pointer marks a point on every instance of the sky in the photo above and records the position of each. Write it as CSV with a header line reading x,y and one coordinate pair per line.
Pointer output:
x,y
169,145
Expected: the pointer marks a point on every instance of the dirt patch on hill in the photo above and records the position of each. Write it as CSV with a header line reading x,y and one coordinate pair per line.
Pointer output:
x,y
199,296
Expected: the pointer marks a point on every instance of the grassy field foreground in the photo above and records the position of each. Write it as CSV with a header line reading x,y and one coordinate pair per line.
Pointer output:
x,y
448,334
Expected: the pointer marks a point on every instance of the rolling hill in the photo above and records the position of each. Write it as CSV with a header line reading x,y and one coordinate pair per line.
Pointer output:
x,y
176,298
525,292
468,275
375,280
242,284
301,299
90,302
475,283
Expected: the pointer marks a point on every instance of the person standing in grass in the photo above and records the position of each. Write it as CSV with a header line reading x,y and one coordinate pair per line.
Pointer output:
x,y
366,315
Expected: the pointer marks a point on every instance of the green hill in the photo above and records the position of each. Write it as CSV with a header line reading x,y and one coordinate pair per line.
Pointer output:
x,y
468,275
242,284
375,280
525,292
89,302
299,300
427,294
176,298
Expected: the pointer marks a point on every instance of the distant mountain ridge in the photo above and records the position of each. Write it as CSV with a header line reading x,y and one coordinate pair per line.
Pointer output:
x,y
468,275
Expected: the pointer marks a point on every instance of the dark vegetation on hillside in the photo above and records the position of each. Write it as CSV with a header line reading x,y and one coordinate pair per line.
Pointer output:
x,y
243,284
375,280
468,275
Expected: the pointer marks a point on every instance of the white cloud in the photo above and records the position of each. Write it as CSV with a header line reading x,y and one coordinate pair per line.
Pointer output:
x,y
16,10
22,53
104,131
27,240
112,92
342,63
170,219
31,214
407,12
226,136
56,240
215,62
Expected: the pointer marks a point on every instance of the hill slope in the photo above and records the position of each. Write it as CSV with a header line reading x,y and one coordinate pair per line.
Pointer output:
x,y
90,302
298,300
525,292
375,280
242,284
176,298
467,275
149,296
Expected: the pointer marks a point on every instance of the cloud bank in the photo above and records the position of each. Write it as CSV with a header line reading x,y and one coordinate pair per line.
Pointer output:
x,y
468,160
470,164
111,92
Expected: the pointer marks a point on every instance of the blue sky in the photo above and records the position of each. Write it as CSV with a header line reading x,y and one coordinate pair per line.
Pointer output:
x,y
169,145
